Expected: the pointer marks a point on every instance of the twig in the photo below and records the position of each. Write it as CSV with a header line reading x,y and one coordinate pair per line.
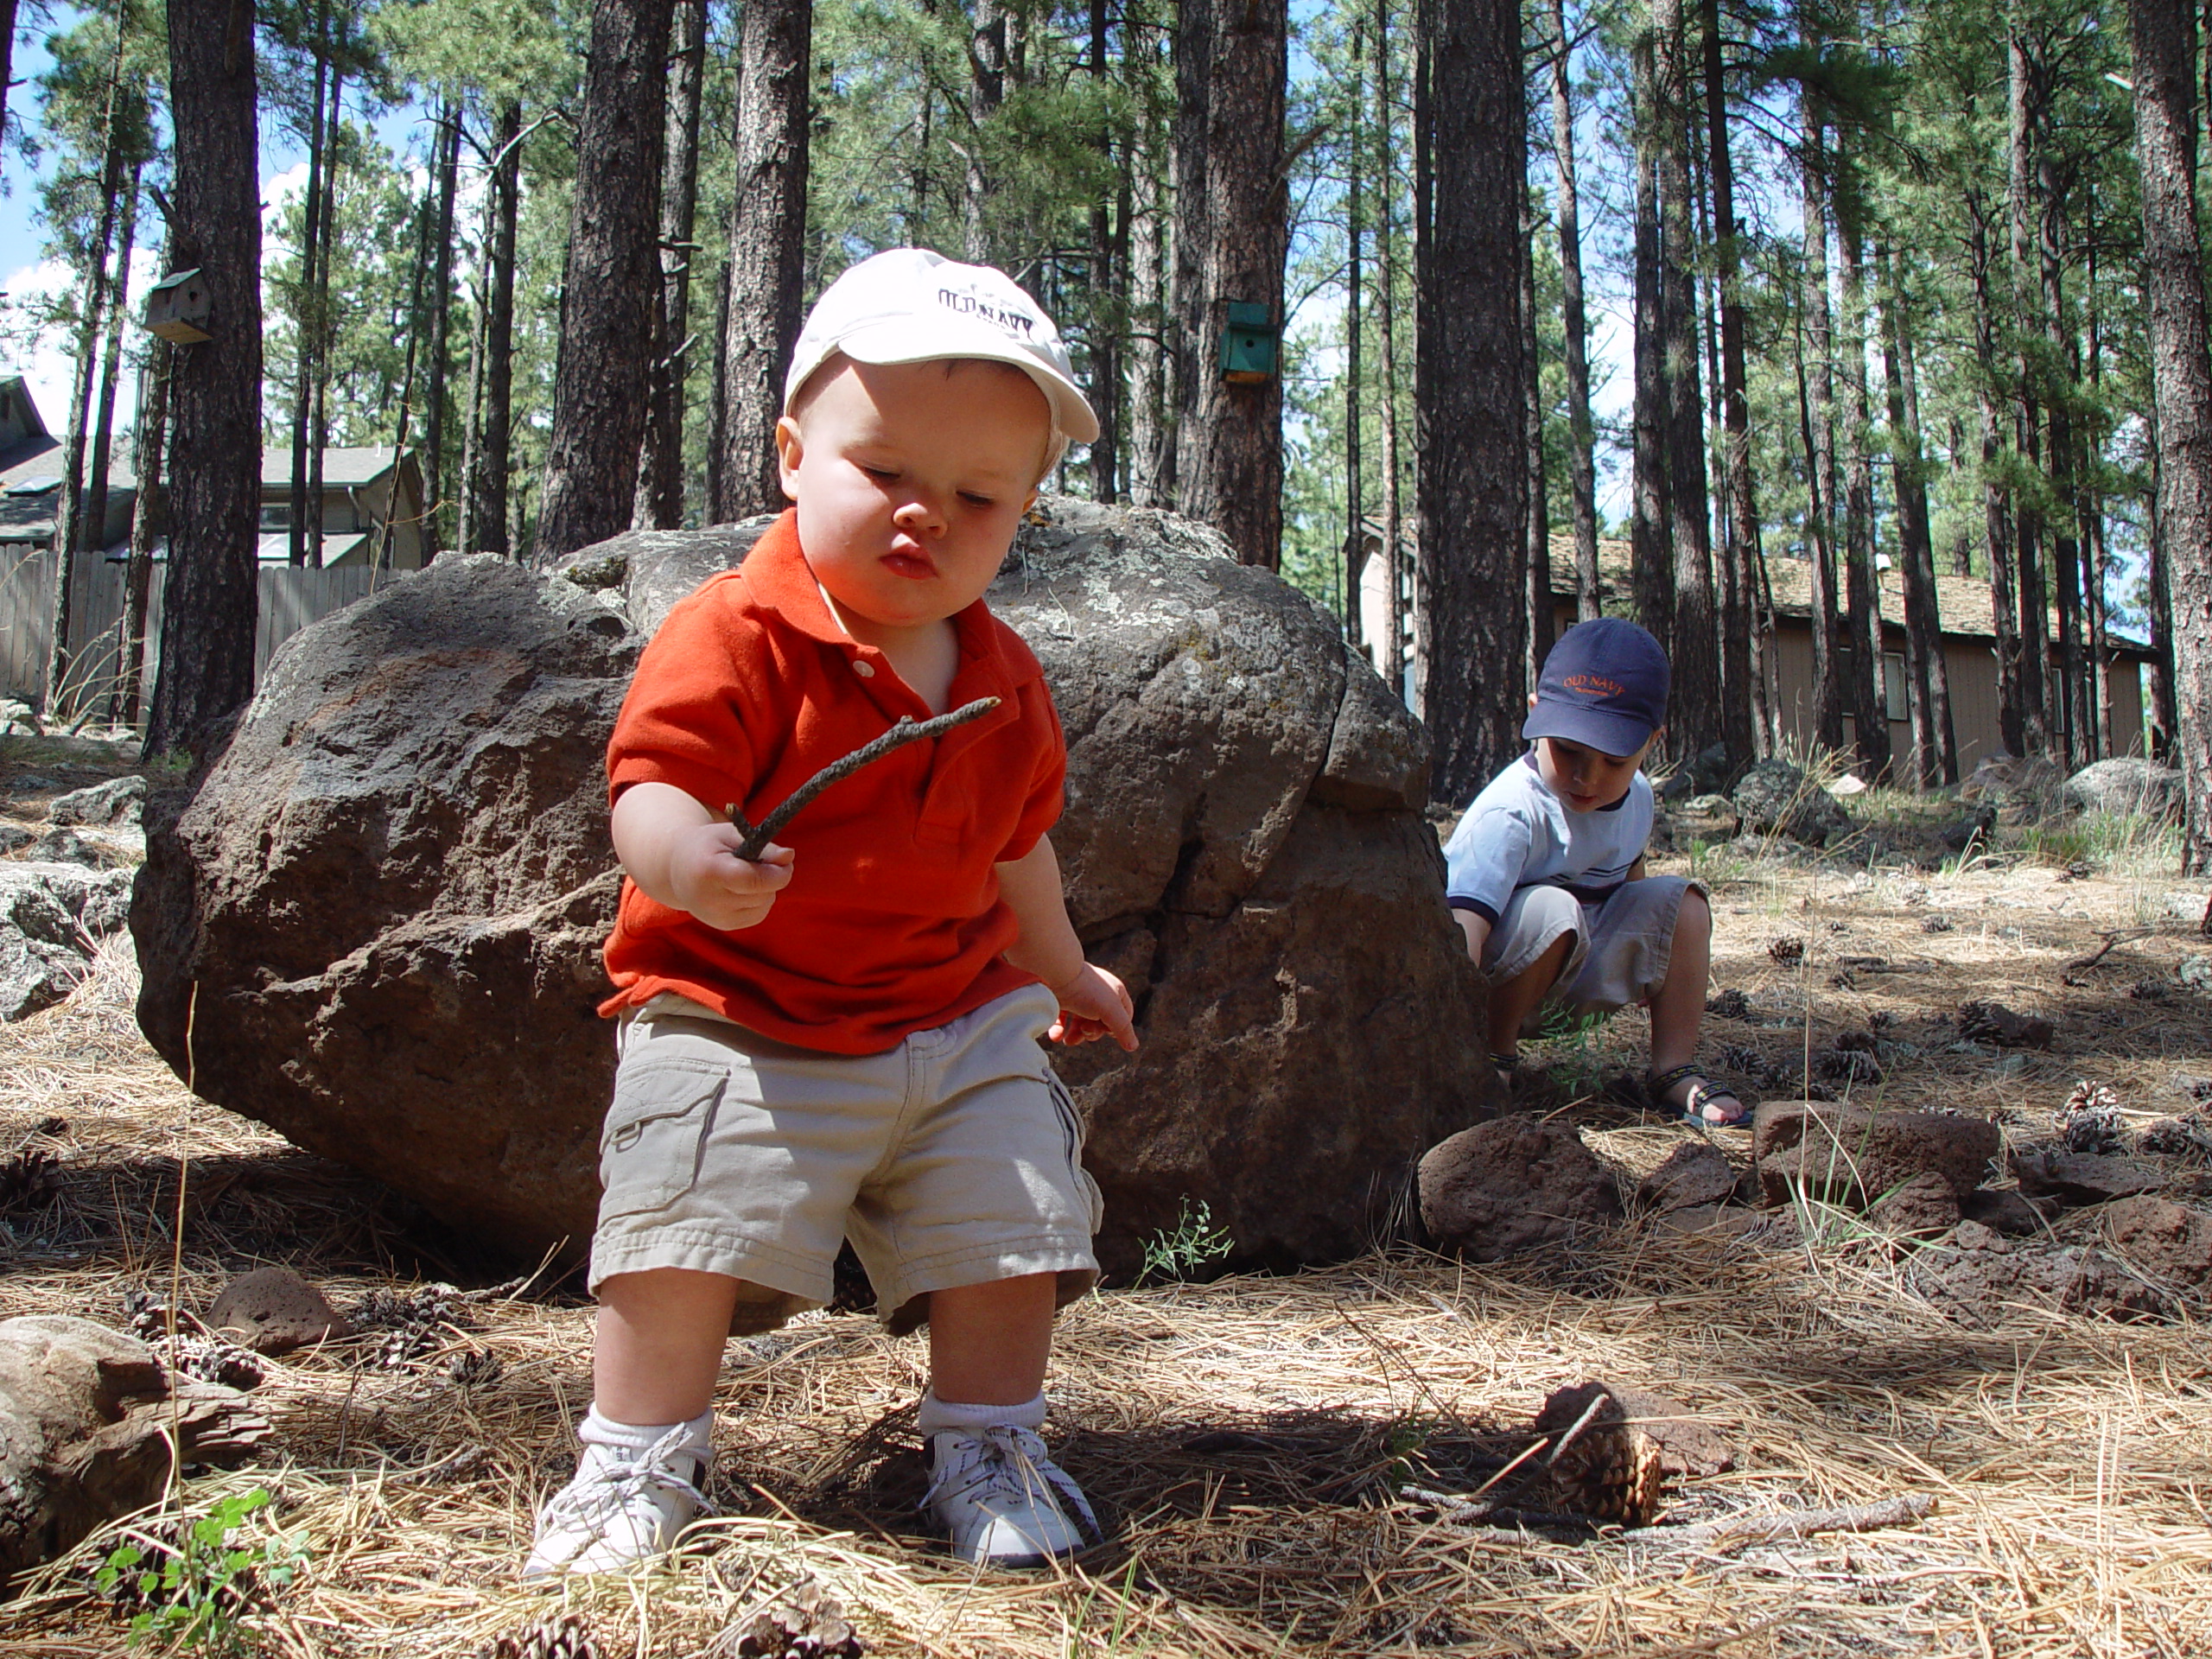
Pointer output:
x,y
2111,937
1460,1513
1740,1530
903,731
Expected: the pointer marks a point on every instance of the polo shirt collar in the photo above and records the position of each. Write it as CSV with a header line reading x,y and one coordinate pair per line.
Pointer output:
x,y
779,577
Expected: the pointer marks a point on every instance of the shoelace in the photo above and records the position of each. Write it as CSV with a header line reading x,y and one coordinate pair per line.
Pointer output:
x,y
1009,1461
626,1479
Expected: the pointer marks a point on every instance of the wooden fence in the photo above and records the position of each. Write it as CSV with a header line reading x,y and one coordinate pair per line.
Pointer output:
x,y
290,599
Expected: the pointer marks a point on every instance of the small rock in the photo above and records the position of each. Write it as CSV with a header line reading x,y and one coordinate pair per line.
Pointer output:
x,y
2185,907
1979,1279
2166,1242
2126,784
2195,974
1923,1207
1847,786
274,1311
2078,1178
66,847
1977,826
1516,1182
1851,1154
1935,925
117,801
1777,798
14,838
1694,1173
1994,1023
2002,1210
1728,1220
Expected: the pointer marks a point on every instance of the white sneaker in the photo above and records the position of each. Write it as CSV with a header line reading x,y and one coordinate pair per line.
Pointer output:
x,y
1003,1500
625,1506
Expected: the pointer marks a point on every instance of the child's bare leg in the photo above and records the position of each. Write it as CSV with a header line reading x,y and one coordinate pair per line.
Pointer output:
x,y
1513,1002
1678,1010
988,1343
658,1344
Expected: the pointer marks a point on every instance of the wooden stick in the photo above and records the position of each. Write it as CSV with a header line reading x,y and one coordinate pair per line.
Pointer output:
x,y
1739,1530
903,731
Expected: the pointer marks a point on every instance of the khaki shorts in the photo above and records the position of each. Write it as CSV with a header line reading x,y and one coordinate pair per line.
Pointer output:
x,y
953,1159
1622,943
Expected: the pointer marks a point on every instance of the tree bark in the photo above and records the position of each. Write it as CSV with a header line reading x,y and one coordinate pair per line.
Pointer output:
x,y
2181,378
2020,96
1581,464
1151,375
1819,435
1110,240
767,253
985,92
326,239
1863,597
660,464
484,521
1386,322
94,536
1997,518
448,165
149,521
1651,575
1935,742
1747,719
1693,646
1229,434
1355,539
615,281
211,601
6,60
1467,392
303,321
1537,563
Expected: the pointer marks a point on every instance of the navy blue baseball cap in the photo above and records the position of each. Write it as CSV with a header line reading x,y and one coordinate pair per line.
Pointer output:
x,y
1603,686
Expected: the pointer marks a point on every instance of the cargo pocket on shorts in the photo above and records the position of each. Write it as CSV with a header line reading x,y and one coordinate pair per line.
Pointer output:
x,y
655,1138
1072,1132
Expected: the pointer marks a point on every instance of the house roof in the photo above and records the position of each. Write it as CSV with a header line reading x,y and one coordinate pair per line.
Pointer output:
x,y
1963,603
340,467
277,549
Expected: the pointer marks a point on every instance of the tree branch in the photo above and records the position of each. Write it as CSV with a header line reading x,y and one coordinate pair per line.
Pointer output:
x,y
905,730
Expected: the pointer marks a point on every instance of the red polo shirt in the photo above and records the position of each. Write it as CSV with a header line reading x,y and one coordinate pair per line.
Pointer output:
x,y
893,921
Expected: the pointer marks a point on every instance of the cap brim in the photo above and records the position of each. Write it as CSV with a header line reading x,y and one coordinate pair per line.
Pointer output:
x,y
893,342
1618,735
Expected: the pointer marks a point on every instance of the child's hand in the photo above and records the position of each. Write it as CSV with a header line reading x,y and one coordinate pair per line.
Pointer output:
x,y
1095,1004
722,890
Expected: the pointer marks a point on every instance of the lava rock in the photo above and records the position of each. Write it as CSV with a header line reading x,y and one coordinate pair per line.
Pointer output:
x,y
1694,1173
2166,1242
390,886
2125,784
2080,1177
1775,798
1980,1280
274,1311
1516,1182
2003,1210
52,918
1922,1207
117,801
1852,1155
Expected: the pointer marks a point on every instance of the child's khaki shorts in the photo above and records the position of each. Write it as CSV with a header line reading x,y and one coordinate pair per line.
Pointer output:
x,y
953,1159
1622,943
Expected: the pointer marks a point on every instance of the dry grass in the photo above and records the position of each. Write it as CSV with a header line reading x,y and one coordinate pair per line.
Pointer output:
x,y
1246,1438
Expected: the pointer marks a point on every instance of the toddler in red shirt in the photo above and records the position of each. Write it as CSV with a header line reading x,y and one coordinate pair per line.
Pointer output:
x,y
840,1039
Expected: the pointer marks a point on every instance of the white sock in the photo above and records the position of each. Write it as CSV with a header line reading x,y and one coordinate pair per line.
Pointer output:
x,y
597,1429
936,1414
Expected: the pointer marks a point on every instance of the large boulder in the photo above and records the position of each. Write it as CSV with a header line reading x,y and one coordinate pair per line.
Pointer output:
x,y
2125,785
387,891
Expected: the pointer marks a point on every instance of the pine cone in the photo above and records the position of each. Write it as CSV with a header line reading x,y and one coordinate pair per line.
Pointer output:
x,y
549,1638
805,1622
1601,1464
29,1180
1786,952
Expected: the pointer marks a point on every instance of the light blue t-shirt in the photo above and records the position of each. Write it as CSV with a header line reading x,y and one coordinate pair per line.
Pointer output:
x,y
1518,833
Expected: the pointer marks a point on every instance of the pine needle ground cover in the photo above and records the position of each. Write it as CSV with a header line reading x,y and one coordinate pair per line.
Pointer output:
x,y
1248,1440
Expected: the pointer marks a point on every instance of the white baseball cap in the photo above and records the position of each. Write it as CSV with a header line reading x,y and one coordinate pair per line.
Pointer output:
x,y
909,305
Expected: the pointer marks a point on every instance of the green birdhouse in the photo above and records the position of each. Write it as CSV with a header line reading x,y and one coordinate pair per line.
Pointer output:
x,y
1249,345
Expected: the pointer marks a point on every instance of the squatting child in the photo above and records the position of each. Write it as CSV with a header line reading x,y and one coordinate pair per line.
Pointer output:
x,y
840,1039
1545,874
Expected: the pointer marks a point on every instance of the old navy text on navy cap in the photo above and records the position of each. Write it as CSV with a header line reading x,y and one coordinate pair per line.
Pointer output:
x,y
1603,685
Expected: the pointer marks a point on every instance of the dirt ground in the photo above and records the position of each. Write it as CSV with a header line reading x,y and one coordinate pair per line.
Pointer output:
x,y
1249,1440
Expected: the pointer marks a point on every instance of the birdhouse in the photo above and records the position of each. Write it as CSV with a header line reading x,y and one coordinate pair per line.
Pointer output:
x,y
1249,345
176,306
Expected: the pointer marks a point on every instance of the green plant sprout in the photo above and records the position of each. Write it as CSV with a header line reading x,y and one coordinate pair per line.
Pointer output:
x,y
1187,1249
192,1594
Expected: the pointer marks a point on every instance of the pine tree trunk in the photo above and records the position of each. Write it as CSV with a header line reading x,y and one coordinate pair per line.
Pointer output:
x,y
211,599
1108,298
1935,749
2034,624
1468,395
94,536
1581,466
1355,538
1997,519
1747,719
1869,697
148,522
615,285
1819,417
1386,322
1694,725
1152,432
1229,432
448,169
985,92
660,463
1537,563
295,531
327,236
1651,576
487,481
7,58
2181,377
767,257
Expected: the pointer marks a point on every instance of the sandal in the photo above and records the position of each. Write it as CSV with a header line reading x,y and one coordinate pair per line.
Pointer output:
x,y
1508,1069
1703,1092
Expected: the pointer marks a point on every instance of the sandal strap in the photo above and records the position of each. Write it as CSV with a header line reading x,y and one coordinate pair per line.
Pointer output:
x,y
1660,1082
1504,1062
1703,1092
